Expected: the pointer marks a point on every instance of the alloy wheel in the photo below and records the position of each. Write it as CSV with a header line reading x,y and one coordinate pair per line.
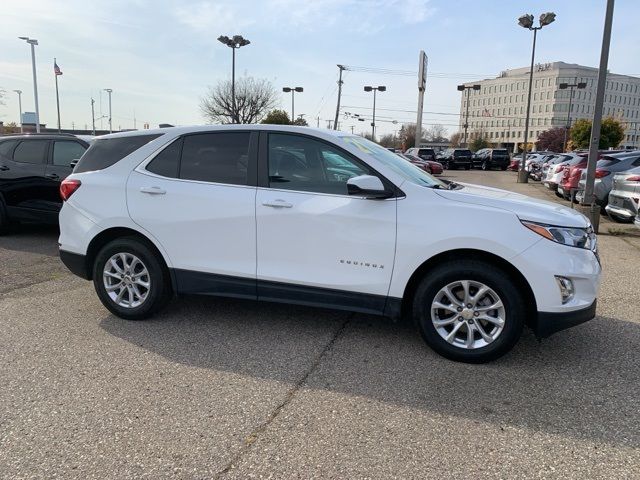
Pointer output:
x,y
468,314
126,280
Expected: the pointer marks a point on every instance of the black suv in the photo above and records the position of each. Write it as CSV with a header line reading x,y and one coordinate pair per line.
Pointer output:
x,y
31,169
452,158
423,153
488,158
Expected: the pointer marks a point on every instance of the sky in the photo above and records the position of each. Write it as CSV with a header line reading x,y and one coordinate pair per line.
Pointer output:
x,y
160,57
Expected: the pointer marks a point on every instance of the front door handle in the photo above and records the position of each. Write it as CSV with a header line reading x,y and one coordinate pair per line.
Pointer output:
x,y
277,204
153,190
3,168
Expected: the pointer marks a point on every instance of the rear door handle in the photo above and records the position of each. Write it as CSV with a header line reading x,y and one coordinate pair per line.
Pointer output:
x,y
153,190
52,176
3,168
277,204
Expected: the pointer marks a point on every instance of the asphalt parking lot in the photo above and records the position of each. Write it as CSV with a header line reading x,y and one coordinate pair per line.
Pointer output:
x,y
217,388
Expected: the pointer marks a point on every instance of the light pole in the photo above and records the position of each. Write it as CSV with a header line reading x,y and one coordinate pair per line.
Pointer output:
x,y
380,88
19,92
468,88
109,90
526,21
33,42
234,43
570,86
293,90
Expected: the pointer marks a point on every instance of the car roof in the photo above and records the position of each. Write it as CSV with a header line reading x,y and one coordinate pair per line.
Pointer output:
x,y
321,132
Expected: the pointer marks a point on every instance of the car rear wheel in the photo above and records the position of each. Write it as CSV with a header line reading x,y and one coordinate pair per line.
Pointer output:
x,y
130,279
484,166
469,311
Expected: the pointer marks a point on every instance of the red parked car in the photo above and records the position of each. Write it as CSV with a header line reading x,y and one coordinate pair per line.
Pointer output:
x,y
569,184
429,166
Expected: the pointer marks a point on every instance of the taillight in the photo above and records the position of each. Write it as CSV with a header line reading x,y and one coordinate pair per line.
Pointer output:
x,y
68,187
635,178
602,173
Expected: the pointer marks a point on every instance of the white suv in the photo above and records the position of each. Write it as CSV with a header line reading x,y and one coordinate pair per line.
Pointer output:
x,y
324,218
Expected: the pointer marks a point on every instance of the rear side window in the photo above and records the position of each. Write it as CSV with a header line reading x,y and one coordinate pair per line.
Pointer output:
x,y
31,151
66,151
216,157
607,162
106,152
167,161
6,147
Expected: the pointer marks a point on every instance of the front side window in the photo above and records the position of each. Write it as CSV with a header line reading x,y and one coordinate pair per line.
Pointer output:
x,y
309,165
220,157
31,151
394,162
66,151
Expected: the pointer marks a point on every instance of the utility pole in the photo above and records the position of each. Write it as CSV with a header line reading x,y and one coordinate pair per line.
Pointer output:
x,y
468,88
93,118
19,92
56,73
593,209
318,122
422,82
335,123
109,91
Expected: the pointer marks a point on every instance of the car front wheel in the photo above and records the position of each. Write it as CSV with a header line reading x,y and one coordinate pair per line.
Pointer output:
x,y
130,280
469,311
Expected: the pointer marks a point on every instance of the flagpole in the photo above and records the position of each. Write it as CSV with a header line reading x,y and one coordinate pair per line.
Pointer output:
x,y
57,96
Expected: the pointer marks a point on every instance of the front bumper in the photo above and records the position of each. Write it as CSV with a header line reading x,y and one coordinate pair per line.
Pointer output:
x,y
548,323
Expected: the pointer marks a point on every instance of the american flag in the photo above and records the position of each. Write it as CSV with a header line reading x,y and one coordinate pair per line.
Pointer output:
x,y
56,69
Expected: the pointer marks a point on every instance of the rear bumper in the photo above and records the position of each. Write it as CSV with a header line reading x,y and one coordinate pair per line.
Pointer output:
x,y
548,323
76,263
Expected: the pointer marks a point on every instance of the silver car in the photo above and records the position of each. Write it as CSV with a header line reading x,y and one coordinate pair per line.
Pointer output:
x,y
624,196
606,167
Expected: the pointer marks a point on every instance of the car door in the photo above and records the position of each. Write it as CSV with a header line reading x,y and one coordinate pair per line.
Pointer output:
x,y
61,153
197,199
316,244
23,178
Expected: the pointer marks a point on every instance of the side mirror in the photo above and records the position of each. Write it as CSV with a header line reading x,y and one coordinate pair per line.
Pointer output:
x,y
74,162
367,186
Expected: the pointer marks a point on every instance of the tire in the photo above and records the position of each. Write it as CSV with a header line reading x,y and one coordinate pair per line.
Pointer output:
x,y
503,168
502,338
484,166
4,219
445,164
467,167
150,299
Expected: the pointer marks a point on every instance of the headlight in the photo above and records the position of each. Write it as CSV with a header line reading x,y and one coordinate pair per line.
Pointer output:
x,y
573,237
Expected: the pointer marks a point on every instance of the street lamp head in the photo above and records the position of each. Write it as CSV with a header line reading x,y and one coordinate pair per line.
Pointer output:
x,y
224,39
563,86
31,41
582,85
299,89
477,87
108,90
547,18
526,21
368,88
382,88
18,91
460,88
286,89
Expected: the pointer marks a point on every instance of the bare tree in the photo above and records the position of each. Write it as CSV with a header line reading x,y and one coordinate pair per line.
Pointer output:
x,y
254,98
436,133
456,139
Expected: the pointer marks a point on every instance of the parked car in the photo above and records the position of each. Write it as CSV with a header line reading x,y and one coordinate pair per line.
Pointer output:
x,y
555,172
488,158
434,168
516,160
229,210
422,152
31,169
624,197
637,220
606,167
453,158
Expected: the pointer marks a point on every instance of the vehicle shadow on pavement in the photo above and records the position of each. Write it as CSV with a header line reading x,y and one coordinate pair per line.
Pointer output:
x,y
581,383
28,238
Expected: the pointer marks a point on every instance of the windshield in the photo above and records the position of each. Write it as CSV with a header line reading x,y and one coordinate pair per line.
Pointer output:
x,y
396,163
